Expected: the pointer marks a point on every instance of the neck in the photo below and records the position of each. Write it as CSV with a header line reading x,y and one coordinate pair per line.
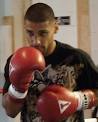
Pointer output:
x,y
51,48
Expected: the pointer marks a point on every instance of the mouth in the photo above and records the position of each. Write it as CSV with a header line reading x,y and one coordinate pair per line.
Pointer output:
x,y
40,48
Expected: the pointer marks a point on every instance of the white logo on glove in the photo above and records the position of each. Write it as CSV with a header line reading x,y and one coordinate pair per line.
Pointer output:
x,y
11,68
63,105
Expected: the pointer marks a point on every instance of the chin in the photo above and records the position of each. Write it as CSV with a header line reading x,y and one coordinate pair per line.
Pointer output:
x,y
41,49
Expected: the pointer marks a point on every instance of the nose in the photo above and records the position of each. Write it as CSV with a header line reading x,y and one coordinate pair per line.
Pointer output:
x,y
35,40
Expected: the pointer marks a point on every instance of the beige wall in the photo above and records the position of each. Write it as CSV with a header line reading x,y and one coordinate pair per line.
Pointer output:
x,y
94,29
83,25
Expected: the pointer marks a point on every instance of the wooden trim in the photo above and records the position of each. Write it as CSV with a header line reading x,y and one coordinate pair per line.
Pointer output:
x,y
83,28
9,20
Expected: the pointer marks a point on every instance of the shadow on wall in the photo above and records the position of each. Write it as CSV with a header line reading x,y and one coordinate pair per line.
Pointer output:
x,y
3,116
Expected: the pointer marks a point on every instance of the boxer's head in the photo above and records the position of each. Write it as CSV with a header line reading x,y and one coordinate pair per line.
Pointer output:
x,y
39,12
40,26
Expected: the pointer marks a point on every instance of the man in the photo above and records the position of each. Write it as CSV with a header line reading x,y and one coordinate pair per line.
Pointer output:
x,y
65,86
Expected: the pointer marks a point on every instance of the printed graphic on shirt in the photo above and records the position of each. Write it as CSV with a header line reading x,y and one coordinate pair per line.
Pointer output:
x,y
62,75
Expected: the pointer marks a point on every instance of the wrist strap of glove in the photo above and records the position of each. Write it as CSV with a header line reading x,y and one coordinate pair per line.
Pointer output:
x,y
86,99
16,94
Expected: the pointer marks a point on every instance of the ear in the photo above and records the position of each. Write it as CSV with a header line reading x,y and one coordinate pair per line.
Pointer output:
x,y
56,27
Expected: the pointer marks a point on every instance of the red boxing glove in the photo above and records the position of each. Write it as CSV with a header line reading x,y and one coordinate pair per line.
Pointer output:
x,y
24,61
57,103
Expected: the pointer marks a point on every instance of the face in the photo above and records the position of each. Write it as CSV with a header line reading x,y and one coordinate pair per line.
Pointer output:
x,y
41,35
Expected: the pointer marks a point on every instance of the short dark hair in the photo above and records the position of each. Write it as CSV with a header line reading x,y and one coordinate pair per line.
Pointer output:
x,y
39,12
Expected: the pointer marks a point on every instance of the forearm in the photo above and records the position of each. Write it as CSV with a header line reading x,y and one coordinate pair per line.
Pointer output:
x,y
11,107
96,94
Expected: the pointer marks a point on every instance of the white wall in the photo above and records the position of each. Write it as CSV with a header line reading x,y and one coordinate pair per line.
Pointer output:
x,y
1,10
15,8
5,44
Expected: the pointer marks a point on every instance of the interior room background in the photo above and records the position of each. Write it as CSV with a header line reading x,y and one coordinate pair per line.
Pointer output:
x,y
79,30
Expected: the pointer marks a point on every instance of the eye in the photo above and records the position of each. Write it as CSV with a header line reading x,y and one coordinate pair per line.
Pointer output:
x,y
43,33
30,33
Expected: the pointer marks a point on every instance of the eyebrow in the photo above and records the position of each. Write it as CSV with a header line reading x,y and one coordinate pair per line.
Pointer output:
x,y
29,30
40,31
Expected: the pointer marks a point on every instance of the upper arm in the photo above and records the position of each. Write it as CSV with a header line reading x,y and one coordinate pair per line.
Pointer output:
x,y
89,75
6,76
